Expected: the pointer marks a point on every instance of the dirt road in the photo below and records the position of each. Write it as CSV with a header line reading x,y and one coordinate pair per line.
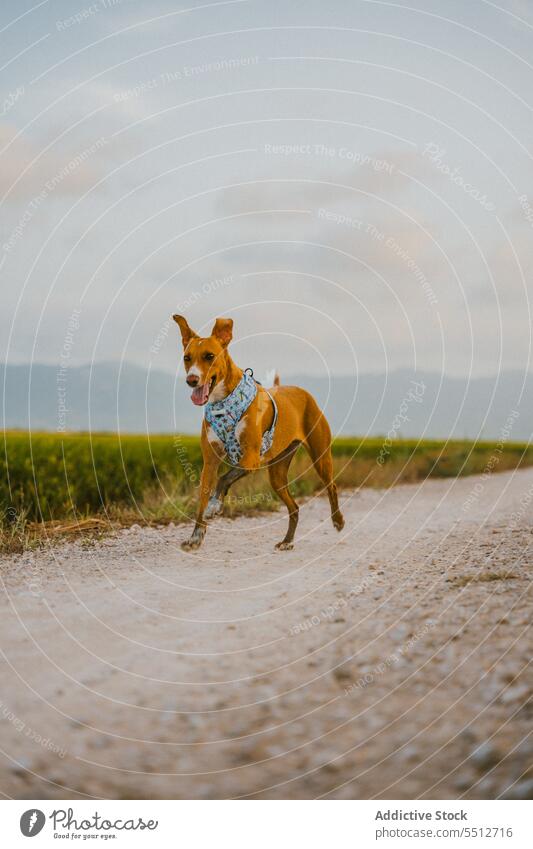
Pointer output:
x,y
388,661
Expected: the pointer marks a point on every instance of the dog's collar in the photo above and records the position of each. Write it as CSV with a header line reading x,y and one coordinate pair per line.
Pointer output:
x,y
224,416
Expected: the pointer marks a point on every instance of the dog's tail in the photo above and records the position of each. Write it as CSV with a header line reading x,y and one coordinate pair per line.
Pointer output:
x,y
271,378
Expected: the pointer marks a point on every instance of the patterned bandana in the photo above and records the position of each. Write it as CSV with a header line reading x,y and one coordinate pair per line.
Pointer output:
x,y
225,415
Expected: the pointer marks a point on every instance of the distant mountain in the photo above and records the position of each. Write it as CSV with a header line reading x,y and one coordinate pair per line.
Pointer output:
x,y
130,399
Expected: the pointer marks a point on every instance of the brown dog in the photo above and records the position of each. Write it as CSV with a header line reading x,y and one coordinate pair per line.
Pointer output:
x,y
213,376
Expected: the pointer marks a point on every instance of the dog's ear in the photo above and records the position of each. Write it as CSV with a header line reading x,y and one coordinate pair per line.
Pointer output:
x,y
186,333
223,330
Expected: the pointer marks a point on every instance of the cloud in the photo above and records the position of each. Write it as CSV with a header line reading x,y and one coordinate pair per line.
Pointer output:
x,y
27,171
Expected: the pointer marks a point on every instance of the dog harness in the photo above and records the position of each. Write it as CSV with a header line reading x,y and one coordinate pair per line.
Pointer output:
x,y
225,415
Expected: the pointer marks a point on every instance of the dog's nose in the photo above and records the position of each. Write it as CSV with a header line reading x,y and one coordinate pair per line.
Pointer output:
x,y
192,380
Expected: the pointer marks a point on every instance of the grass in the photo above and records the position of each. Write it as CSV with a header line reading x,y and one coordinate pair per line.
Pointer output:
x,y
484,578
55,485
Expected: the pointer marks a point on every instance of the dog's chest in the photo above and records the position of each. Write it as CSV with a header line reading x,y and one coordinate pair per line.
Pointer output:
x,y
239,437
239,430
212,438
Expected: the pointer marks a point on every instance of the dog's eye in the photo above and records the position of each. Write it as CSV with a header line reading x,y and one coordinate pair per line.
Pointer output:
x,y
187,358
209,357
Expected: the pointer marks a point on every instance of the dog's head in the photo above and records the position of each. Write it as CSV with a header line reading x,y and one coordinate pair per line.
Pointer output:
x,y
205,358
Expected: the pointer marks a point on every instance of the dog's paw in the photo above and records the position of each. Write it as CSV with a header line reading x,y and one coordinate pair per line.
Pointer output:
x,y
191,544
214,508
285,546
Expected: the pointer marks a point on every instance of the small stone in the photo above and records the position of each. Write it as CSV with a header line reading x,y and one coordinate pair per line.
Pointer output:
x,y
100,743
520,693
410,753
525,749
485,757
522,790
22,768
332,767
463,782
485,789
467,736
342,674
510,675
275,751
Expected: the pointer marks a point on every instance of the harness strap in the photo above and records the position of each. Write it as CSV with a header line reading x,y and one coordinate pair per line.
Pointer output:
x,y
223,416
268,436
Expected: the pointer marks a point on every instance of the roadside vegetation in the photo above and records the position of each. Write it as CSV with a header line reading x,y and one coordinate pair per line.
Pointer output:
x,y
59,485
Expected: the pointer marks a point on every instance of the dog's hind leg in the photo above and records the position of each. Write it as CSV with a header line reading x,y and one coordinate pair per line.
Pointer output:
x,y
324,469
216,502
318,445
278,472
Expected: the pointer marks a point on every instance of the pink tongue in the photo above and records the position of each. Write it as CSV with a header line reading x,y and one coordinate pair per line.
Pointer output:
x,y
200,395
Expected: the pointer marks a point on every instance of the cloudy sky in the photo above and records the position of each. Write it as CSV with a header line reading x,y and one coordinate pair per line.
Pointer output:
x,y
351,181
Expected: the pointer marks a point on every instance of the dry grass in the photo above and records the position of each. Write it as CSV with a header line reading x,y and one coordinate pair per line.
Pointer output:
x,y
484,577
54,487
154,511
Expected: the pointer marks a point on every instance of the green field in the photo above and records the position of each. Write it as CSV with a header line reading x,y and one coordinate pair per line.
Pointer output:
x,y
47,477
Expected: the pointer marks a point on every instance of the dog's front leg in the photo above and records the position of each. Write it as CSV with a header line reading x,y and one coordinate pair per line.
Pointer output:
x,y
250,442
251,459
207,482
216,502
